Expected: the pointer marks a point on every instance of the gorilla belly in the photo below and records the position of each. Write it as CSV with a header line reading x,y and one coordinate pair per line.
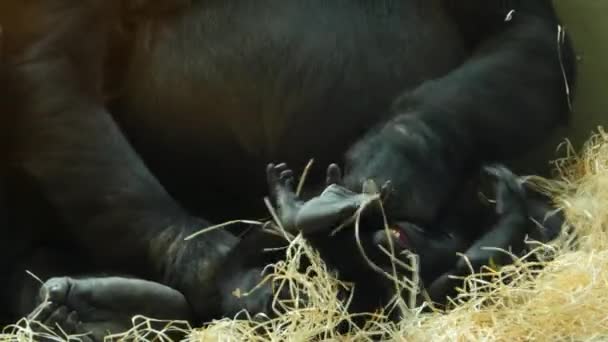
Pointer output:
x,y
231,85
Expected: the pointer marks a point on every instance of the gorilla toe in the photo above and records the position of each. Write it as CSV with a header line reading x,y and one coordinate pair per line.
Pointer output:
x,y
55,290
102,306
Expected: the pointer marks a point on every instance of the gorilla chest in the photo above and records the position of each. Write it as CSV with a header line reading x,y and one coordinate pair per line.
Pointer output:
x,y
258,74
245,80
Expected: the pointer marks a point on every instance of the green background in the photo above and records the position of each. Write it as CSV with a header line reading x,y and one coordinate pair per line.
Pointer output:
x,y
587,23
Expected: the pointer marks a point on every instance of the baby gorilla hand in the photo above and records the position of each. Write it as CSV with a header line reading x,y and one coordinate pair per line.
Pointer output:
x,y
342,251
319,214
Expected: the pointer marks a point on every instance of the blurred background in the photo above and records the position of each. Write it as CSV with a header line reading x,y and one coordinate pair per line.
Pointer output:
x,y
587,23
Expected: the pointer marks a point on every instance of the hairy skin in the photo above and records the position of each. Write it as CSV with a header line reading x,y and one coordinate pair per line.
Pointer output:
x,y
106,304
129,129
504,225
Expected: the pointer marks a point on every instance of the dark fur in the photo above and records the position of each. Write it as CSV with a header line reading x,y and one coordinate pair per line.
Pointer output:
x,y
215,86
504,225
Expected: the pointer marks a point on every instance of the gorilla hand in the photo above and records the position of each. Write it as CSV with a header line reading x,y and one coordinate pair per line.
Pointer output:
x,y
316,218
319,214
423,166
322,213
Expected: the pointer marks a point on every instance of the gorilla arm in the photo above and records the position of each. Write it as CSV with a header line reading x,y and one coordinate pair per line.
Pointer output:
x,y
62,139
503,99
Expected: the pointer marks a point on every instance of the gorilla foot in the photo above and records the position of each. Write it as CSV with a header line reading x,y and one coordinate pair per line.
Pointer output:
x,y
98,307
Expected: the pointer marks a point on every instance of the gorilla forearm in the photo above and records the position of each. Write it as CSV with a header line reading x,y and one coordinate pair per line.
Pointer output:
x,y
63,139
511,91
503,99
97,183
68,166
188,94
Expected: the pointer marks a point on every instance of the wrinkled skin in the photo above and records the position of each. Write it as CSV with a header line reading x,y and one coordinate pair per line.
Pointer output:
x,y
128,123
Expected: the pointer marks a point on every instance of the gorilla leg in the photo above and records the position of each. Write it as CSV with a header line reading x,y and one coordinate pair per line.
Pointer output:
x,y
244,270
63,138
102,306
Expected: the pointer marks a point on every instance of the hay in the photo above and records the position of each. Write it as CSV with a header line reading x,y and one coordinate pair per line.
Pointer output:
x,y
558,291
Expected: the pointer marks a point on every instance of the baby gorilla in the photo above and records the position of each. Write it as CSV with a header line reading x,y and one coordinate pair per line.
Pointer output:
x,y
505,226
101,305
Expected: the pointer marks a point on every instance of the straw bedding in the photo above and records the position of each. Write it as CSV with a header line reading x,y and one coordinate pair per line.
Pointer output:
x,y
557,291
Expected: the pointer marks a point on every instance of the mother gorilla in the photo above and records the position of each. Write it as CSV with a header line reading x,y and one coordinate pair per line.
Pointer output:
x,y
125,122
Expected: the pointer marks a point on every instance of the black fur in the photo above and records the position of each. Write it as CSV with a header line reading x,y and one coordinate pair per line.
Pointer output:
x,y
417,92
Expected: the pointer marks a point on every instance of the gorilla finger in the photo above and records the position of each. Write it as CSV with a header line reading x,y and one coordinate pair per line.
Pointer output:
x,y
370,187
334,175
281,167
287,180
273,171
510,198
276,180
290,184
286,175
59,316
269,169
55,290
501,172
271,176
508,185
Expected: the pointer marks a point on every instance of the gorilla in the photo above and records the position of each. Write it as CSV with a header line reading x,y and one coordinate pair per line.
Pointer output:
x,y
515,215
127,125
100,304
